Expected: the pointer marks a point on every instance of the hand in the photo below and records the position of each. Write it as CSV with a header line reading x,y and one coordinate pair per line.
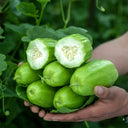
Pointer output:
x,y
113,102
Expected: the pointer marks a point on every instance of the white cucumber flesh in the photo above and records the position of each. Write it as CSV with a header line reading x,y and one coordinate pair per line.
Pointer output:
x,y
39,52
73,50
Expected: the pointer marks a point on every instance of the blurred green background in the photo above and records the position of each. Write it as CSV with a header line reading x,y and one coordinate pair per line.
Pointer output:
x,y
102,26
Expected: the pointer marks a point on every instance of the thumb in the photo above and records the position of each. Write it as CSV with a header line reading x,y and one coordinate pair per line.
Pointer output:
x,y
103,92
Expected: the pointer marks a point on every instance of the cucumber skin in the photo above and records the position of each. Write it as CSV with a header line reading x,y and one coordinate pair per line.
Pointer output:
x,y
87,48
39,93
66,98
25,75
50,45
87,45
95,72
54,74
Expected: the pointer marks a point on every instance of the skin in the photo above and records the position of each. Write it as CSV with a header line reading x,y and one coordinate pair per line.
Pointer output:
x,y
113,101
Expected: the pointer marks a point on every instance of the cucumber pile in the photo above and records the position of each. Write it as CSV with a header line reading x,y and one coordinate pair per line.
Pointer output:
x,y
58,76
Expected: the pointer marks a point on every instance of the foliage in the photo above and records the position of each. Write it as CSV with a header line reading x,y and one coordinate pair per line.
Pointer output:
x,y
25,20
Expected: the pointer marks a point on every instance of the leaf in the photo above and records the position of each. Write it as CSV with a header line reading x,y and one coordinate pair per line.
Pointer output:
x,y
73,30
10,41
27,9
1,32
43,1
21,92
68,110
8,93
89,101
9,73
13,107
3,64
39,32
21,29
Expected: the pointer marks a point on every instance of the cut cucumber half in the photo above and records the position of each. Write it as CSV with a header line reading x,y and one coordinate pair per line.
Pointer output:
x,y
40,52
72,51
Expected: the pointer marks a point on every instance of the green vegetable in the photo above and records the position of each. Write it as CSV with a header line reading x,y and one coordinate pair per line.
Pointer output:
x,y
72,51
96,72
25,75
39,93
55,74
66,98
40,52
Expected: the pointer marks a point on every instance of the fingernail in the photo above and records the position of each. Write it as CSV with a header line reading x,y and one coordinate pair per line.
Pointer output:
x,y
47,119
99,90
41,114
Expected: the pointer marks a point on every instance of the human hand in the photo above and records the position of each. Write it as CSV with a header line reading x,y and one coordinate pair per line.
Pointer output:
x,y
112,102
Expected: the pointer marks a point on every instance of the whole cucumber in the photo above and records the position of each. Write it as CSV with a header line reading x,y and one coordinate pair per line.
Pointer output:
x,y
54,74
95,72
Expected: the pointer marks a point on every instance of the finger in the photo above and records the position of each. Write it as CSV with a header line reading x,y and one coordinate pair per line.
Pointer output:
x,y
70,117
90,113
58,117
41,113
26,103
20,64
103,92
34,109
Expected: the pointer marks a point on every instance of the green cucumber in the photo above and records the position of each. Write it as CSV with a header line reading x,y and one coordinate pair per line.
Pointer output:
x,y
66,98
39,93
40,52
95,72
25,75
72,51
54,74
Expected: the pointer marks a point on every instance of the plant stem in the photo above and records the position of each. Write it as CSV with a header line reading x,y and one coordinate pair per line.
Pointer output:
x,y
8,6
4,4
62,11
43,5
100,8
65,20
68,14
16,49
86,123
2,92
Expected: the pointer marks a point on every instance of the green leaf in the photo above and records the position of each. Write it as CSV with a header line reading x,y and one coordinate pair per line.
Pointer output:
x,y
73,30
89,101
9,73
1,32
8,93
8,45
21,29
43,1
68,110
27,9
39,32
21,92
13,107
3,64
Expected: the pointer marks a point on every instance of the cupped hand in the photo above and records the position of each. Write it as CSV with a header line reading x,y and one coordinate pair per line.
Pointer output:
x,y
113,102
35,109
